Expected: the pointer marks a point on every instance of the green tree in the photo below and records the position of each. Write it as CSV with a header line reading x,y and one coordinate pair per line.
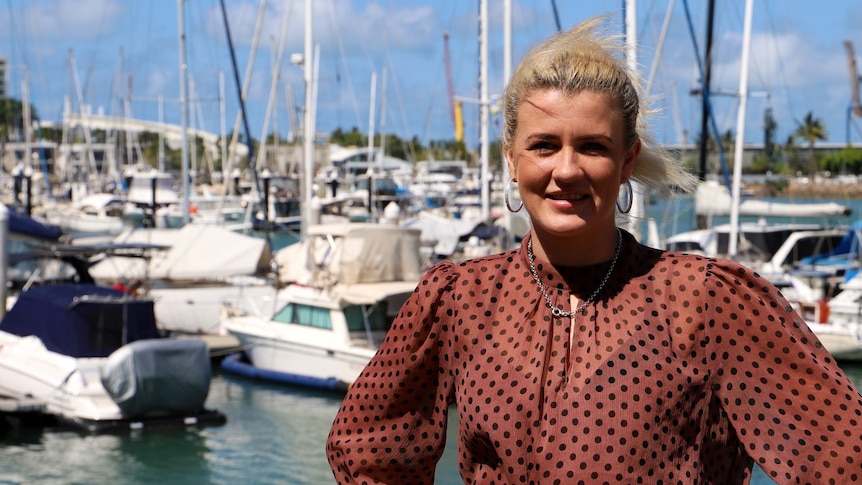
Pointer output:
x,y
848,160
351,138
769,126
12,118
811,130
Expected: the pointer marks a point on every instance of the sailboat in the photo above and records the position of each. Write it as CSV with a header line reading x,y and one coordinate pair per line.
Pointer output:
x,y
752,243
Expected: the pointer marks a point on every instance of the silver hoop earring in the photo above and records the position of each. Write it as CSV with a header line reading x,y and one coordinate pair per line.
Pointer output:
x,y
626,198
506,198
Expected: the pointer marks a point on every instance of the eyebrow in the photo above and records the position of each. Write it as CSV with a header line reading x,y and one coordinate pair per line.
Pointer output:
x,y
581,138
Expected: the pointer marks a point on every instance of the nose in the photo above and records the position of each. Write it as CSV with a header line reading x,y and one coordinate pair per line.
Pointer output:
x,y
568,166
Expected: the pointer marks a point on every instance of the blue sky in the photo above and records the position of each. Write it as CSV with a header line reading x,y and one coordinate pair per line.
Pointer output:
x,y
127,50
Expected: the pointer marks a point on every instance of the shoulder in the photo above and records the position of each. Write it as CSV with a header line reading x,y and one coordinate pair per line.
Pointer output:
x,y
447,272
685,272
708,266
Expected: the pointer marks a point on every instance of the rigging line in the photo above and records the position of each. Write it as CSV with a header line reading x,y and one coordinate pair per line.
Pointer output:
x,y
343,58
241,100
406,125
249,69
707,98
782,73
556,15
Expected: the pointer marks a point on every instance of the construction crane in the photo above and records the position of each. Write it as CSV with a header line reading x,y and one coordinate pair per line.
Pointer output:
x,y
854,79
455,109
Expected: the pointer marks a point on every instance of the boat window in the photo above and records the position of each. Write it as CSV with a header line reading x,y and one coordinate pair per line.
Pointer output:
x,y
376,317
307,315
114,209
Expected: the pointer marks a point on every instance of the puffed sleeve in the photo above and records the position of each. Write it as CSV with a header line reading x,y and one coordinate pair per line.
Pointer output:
x,y
391,427
797,414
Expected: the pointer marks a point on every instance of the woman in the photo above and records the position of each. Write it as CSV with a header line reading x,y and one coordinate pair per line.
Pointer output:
x,y
583,356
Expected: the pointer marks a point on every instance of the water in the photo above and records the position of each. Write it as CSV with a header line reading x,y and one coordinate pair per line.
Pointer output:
x,y
675,215
274,434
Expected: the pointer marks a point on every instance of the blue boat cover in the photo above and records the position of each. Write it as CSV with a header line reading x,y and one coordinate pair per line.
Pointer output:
x,y
81,320
848,249
25,225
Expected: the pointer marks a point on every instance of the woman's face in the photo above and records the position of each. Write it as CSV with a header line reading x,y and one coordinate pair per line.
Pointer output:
x,y
569,157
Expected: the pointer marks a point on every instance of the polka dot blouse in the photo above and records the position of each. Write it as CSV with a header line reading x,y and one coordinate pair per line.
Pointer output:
x,y
686,370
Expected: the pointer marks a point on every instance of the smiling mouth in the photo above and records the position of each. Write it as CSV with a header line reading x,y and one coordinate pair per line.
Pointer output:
x,y
567,196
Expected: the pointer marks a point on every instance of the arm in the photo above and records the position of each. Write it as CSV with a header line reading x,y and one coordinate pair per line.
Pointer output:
x,y
794,410
391,427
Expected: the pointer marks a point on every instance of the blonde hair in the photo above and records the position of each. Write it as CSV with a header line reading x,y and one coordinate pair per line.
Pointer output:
x,y
585,59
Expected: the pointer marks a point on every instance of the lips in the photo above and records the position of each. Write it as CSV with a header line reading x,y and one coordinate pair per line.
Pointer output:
x,y
571,197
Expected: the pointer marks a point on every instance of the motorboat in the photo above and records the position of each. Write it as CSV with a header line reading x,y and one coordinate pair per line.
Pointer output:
x,y
101,213
91,358
842,337
343,285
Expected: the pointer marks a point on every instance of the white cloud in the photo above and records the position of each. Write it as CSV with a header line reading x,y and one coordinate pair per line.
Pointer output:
x,y
73,19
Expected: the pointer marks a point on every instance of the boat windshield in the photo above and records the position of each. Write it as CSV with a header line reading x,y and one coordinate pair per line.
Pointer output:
x,y
376,315
308,315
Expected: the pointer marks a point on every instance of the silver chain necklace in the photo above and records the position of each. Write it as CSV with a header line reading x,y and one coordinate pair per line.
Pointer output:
x,y
557,311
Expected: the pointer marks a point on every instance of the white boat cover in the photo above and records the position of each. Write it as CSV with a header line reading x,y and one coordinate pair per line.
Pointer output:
x,y
158,376
714,199
352,253
370,293
444,232
197,252
141,189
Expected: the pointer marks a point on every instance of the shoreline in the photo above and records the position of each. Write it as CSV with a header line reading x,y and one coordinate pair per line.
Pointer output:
x,y
821,190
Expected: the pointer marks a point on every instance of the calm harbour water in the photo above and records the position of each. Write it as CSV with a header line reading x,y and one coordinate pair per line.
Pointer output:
x,y
274,433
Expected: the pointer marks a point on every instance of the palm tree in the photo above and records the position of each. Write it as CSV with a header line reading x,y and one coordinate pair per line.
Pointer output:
x,y
811,130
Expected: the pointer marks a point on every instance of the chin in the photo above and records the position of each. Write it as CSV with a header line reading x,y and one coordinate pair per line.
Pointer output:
x,y
569,228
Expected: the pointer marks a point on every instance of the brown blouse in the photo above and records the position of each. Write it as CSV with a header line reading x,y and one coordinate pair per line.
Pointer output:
x,y
687,370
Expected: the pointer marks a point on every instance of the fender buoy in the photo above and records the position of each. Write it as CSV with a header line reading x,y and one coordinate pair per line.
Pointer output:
x,y
823,311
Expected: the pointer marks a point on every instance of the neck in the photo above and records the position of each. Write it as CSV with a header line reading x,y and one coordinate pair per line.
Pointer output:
x,y
581,251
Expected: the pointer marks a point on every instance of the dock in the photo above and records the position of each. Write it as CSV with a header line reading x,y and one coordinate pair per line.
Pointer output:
x,y
219,345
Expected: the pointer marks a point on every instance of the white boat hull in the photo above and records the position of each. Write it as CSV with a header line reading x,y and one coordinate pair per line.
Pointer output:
x,y
315,360
66,386
843,339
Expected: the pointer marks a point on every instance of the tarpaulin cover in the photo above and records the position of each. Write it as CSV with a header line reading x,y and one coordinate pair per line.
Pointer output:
x,y
158,376
24,225
81,320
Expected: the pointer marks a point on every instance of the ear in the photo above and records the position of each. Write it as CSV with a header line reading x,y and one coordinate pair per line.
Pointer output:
x,y
510,163
631,156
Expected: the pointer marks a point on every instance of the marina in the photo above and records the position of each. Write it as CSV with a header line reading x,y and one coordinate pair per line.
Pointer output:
x,y
225,294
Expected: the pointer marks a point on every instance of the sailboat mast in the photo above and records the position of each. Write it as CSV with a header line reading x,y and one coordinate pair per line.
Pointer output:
x,y
740,131
484,173
636,214
707,75
308,125
181,23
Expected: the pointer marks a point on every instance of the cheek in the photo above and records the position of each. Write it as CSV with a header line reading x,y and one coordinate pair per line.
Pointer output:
x,y
533,166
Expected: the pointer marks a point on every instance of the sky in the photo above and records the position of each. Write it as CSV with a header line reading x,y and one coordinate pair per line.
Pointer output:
x,y
121,58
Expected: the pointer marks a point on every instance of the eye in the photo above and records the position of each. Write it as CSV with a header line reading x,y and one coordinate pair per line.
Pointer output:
x,y
542,147
594,147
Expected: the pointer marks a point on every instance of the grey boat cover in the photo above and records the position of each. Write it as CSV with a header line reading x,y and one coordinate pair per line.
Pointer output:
x,y
158,376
